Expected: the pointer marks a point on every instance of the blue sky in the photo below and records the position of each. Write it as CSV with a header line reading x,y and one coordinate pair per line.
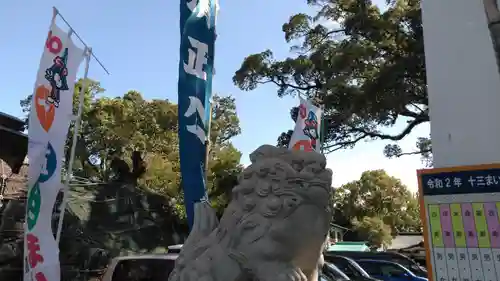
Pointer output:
x,y
138,42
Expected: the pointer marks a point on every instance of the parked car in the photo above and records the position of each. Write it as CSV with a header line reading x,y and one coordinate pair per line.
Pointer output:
x,y
323,277
157,267
140,267
348,266
174,249
388,271
403,260
333,272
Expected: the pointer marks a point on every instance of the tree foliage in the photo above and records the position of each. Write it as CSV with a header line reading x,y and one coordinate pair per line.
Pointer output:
x,y
131,145
114,129
374,231
366,66
377,200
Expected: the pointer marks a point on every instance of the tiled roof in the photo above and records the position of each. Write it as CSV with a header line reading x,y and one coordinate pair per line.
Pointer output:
x,y
405,241
339,226
13,148
11,122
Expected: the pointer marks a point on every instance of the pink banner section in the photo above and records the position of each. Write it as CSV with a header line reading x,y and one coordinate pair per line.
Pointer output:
x,y
491,212
446,225
469,225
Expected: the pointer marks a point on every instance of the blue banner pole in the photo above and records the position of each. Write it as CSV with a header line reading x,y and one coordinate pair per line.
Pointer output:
x,y
197,31
322,132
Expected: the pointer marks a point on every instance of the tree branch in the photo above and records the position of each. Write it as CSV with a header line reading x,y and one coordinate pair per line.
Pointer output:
x,y
283,84
296,87
363,133
331,32
412,124
341,145
321,41
413,153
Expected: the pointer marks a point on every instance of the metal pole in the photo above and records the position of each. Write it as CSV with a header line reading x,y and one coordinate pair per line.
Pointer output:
x,y
76,130
207,141
322,128
3,183
56,12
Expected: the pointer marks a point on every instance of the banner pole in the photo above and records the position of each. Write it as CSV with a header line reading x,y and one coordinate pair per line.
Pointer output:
x,y
207,142
322,128
76,129
57,12
54,15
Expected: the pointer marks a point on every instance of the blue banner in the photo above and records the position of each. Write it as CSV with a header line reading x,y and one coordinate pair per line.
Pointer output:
x,y
197,28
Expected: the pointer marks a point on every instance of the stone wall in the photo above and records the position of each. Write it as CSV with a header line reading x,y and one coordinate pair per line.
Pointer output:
x,y
101,222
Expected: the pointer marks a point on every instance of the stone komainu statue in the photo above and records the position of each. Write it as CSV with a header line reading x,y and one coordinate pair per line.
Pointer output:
x,y
273,229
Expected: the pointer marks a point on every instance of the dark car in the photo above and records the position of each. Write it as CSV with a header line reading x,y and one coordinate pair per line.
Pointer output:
x,y
347,265
403,260
332,272
388,271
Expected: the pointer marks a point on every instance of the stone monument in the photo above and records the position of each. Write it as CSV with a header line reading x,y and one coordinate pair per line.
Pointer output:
x,y
274,228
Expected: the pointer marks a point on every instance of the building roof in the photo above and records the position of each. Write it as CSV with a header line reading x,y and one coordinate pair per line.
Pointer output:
x,y
14,144
406,240
338,226
349,246
11,122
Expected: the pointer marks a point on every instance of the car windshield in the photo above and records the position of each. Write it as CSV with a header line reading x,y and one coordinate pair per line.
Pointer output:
x,y
143,269
383,269
400,259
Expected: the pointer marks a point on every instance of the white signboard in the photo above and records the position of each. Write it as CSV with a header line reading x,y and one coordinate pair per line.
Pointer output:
x,y
461,210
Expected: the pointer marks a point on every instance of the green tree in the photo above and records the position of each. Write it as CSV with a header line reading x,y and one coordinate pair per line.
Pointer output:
x,y
224,163
131,144
374,231
366,66
378,195
113,129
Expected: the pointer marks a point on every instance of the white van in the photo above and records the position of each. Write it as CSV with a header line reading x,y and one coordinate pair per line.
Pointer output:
x,y
151,267
157,267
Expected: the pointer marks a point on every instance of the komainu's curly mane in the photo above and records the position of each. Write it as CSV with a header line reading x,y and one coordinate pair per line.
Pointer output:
x,y
273,229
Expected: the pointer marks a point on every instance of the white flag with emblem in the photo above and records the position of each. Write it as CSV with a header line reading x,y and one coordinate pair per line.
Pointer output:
x,y
306,135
